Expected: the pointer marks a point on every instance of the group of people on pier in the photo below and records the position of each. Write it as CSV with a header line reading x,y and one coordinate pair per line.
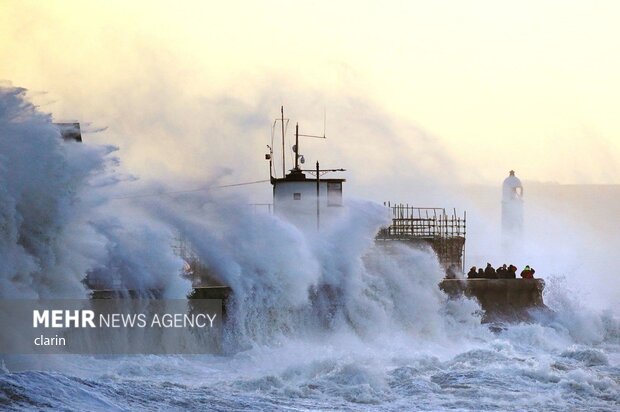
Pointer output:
x,y
502,272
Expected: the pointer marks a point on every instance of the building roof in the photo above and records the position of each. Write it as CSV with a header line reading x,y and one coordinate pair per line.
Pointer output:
x,y
299,176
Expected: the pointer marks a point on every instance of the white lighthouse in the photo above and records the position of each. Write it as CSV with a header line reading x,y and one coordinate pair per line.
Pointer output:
x,y
512,212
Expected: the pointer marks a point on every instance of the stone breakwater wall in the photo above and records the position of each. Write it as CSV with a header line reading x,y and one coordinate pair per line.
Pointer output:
x,y
501,299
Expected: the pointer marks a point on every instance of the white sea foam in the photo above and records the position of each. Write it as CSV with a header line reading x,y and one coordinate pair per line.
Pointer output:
x,y
57,223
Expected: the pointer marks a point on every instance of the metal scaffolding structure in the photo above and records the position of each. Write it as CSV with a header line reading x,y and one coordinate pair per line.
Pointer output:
x,y
443,232
423,222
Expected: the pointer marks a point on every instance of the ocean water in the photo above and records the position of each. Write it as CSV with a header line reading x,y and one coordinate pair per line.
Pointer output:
x,y
552,364
318,322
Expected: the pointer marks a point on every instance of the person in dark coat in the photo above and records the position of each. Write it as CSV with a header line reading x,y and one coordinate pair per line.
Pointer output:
x,y
489,272
473,273
512,272
502,272
480,273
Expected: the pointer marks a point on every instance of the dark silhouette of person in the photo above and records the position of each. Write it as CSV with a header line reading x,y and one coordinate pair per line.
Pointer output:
x,y
480,273
512,272
472,274
489,272
527,273
502,272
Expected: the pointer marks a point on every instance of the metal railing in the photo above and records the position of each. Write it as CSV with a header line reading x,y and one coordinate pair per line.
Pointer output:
x,y
423,222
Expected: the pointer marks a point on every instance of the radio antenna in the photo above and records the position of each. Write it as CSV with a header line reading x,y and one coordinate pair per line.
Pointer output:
x,y
283,160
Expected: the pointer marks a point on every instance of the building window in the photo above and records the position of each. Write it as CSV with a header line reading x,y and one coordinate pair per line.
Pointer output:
x,y
296,196
334,194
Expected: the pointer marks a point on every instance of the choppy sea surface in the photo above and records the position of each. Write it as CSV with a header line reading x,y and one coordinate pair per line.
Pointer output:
x,y
561,361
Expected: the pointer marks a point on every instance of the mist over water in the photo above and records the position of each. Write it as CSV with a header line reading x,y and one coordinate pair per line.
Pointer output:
x,y
318,322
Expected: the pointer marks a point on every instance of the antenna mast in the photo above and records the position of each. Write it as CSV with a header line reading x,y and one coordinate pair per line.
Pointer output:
x,y
283,160
296,146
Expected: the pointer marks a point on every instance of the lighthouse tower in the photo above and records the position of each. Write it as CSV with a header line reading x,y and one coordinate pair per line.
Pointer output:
x,y
512,212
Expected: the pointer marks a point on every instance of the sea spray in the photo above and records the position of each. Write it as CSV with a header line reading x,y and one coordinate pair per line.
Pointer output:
x,y
56,218
286,281
40,180
291,283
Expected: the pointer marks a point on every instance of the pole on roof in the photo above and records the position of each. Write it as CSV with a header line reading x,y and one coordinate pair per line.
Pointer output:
x,y
318,213
283,160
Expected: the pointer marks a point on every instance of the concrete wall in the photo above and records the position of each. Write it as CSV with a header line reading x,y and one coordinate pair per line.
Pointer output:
x,y
301,210
501,299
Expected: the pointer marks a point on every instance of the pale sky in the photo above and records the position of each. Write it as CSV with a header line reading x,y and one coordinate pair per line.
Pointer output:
x,y
412,90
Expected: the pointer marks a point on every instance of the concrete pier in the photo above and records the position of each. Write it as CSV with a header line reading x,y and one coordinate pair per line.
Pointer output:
x,y
501,299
